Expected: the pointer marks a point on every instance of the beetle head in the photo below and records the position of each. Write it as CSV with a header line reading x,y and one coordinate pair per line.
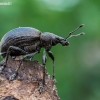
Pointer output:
x,y
49,39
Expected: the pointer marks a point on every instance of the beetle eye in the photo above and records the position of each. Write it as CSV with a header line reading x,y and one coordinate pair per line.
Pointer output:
x,y
57,39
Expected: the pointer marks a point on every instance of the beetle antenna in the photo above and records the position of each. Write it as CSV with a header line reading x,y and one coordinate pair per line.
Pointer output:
x,y
70,34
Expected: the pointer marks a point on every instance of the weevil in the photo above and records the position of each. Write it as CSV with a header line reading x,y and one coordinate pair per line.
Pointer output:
x,y
28,42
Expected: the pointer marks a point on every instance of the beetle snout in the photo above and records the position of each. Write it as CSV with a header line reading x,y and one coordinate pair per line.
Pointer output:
x,y
64,43
67,43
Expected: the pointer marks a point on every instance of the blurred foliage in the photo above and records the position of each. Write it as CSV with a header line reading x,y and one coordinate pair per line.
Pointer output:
x,y
78,65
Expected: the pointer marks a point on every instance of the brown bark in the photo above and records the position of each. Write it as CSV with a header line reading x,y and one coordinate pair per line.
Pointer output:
x,y
26,85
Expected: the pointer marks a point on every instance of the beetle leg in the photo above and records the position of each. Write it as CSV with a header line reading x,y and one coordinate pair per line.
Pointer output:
x,y
26,56
44,58
10,49
52,57
30,55
13,48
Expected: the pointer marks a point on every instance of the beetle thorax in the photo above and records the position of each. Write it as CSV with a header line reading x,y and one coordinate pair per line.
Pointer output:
x,y
48,40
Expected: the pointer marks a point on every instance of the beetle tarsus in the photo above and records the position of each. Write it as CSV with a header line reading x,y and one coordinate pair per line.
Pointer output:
x,y
40,88
13,76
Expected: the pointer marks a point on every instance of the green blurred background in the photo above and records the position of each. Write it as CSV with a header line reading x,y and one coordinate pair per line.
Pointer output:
x,y
78,65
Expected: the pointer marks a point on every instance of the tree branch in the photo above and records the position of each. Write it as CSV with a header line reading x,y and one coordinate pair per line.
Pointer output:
x,y
27,83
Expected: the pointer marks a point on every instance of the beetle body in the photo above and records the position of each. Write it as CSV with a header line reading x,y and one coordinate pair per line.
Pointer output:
x,y
24,38
28,41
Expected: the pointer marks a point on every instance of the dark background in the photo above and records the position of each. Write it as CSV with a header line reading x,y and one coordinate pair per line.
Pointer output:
x,y
78,65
